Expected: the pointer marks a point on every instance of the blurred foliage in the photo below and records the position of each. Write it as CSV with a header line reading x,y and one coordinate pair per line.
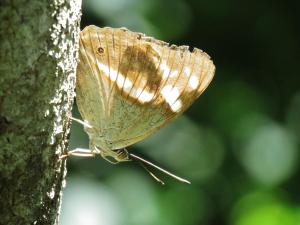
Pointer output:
x,y
238,144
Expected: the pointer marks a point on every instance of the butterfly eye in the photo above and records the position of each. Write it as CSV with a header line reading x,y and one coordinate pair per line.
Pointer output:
x,y
100,50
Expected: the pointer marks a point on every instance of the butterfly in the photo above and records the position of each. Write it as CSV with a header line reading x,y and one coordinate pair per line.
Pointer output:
x,y
130,85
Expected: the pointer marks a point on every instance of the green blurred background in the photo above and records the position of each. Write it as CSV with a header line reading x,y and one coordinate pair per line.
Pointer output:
x,y
238,144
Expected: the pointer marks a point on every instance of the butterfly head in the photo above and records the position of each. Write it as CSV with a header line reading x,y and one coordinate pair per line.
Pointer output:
x,y
100,145
113,156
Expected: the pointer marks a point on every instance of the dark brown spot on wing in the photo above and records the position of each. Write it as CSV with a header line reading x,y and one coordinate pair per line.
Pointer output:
x,y
139,36
100,50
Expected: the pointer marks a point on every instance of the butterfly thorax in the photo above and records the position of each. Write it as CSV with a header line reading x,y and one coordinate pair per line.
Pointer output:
x,y
100,145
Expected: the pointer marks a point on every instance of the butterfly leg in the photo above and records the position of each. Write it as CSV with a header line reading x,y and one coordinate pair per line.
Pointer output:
x,y
109,160
86,124
81,152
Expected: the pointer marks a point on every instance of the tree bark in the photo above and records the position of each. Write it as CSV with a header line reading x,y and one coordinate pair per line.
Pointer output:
x,y
38,53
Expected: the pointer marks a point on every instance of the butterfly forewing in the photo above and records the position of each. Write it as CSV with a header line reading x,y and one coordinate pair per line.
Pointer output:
x,y
130,85
89,78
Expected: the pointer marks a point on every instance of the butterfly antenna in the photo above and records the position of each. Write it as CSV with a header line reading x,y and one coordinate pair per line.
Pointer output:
x,y
151,174
158,168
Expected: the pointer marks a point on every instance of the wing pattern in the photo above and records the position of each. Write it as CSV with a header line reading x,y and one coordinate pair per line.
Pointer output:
x,y
130,85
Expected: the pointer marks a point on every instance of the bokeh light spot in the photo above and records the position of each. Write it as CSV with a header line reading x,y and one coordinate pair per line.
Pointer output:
x,y
263,209
153,17
270,156
186,148
91,203
137,196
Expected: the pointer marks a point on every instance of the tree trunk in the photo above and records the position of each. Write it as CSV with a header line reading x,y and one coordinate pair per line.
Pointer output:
x,y
38,52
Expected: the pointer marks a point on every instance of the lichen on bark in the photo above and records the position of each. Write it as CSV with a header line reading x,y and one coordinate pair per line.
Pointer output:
x,y
38,53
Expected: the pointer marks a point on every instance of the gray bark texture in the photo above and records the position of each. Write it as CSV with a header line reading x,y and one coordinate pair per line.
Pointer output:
x,y
38,53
